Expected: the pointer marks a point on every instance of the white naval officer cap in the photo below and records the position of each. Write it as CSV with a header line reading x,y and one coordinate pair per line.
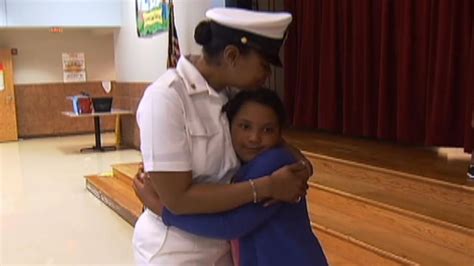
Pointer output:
x,y
263,31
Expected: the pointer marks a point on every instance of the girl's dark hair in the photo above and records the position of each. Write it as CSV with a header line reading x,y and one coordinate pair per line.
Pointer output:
x,y
211,45
262,96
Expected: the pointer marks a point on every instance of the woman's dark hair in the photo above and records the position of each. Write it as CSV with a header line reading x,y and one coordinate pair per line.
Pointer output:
x,y
262,96
211,45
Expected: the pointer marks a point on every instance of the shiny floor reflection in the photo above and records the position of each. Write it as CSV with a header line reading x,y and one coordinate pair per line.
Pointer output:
x,y
46,214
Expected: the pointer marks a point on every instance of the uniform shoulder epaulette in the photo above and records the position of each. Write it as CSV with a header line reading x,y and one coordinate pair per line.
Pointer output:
x,y
169,77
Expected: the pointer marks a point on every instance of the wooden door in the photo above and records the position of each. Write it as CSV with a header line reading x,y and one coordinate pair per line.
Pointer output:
x,y
8,122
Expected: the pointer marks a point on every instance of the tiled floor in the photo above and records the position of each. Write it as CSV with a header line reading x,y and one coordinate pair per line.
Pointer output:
x,y
46,214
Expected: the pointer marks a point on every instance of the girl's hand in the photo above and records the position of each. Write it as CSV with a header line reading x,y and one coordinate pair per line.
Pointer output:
x,y
289,183
300,156
145,192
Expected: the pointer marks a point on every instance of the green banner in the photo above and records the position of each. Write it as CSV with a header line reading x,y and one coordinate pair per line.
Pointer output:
x,y
152,17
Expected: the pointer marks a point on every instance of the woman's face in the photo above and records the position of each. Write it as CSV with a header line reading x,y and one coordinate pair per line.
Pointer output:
x,y
254,129
251,71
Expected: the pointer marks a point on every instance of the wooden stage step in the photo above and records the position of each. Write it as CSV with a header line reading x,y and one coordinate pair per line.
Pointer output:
x,y
344,250
125,172
403,203
404,236
441,200
116,194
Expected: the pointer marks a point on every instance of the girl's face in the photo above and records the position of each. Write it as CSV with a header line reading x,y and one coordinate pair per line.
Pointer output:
x,y
254,129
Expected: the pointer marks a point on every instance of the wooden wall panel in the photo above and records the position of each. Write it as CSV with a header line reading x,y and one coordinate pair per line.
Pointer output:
x,y
129,96
39,108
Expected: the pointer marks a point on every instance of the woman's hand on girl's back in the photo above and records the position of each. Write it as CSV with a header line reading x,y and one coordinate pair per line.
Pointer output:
x,y
289,183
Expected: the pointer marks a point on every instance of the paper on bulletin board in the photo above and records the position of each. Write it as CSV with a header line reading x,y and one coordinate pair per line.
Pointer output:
x,y
2,78
74,67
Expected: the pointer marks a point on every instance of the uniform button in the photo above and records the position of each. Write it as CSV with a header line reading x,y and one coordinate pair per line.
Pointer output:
x,y
193,86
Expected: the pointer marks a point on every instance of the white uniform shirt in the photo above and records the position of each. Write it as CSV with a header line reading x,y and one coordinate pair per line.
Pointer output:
x,y
182,127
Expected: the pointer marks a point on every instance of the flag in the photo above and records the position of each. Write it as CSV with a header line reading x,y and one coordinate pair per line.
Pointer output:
x,y
173,44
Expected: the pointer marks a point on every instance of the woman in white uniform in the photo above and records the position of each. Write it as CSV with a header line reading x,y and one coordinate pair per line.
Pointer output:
x,y
185,139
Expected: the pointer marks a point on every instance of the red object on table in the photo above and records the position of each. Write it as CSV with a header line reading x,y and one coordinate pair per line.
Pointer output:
x,y
85,105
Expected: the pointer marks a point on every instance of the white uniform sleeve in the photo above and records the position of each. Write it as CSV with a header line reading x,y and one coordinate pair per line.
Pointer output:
x,y
164,143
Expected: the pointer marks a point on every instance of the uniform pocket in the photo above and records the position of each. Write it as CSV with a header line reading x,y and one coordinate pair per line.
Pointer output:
x,y
203,143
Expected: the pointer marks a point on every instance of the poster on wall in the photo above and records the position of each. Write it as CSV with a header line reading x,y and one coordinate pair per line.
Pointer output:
x,y
74,67
152,17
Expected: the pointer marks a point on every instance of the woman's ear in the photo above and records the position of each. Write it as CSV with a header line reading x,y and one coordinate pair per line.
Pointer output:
x,y
231,55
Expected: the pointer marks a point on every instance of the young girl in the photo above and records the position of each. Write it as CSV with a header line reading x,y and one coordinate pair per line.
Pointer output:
x,y
277,235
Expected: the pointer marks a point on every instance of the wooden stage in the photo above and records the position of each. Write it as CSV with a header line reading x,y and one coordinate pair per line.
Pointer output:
x,y
429,162
370,202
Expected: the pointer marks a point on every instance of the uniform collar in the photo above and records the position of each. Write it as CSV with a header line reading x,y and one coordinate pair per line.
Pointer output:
x,y
193,80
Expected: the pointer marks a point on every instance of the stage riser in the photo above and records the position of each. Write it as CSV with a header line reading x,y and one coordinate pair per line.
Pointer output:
x,y
125,172
450,203
398,233
122,177
117,195
340,251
